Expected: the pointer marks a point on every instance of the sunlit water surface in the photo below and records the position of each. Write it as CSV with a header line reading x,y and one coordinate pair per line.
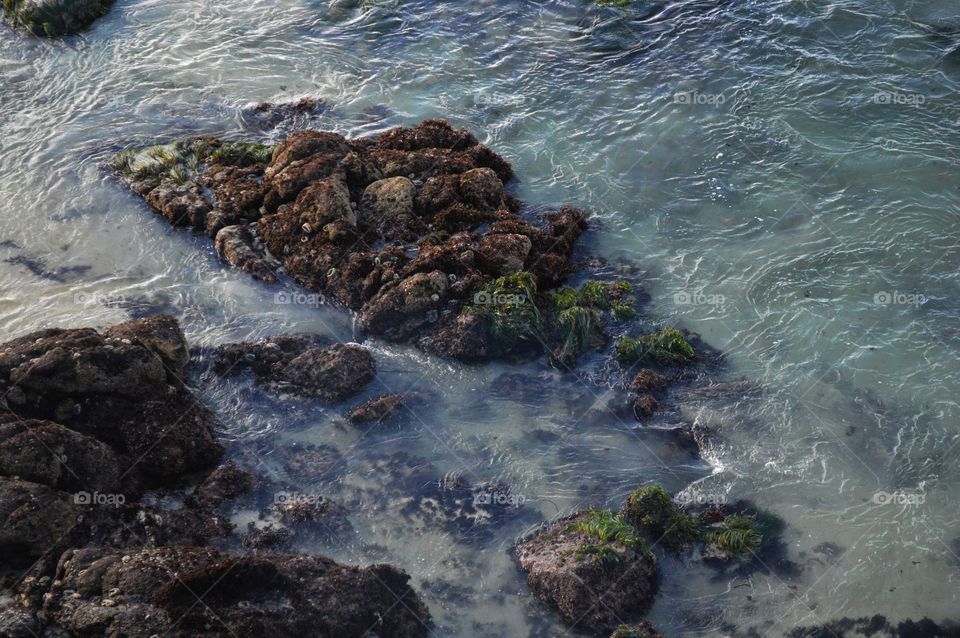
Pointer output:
x,y
778,191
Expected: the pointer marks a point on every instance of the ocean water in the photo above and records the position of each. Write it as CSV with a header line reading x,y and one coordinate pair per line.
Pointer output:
x,y
779,176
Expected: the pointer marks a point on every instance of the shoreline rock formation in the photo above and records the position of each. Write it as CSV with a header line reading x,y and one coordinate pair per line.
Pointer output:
x,y
408,229
55,17
90,420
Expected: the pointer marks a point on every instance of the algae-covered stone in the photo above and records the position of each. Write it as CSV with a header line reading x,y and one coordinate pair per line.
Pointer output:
x,y
55,17
592,568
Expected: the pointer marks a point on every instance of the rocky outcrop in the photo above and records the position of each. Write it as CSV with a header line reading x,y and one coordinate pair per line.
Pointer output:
x,y
86,557
402,228
592,568
121,387
295,362
55,17
110,592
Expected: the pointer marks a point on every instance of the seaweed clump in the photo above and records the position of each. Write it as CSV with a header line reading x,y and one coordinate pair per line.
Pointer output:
x,y
651,510
667,347
579,317
566,323
183,160
509,307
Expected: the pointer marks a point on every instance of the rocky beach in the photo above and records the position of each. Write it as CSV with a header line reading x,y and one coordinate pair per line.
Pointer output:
x,y
297,339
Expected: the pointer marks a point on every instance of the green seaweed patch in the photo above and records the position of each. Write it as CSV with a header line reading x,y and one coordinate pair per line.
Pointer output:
x,y
736,535
651,510
608,526
603,555
183,160
508,304
680,531
579,316
626,631
667,347
649,507
613,3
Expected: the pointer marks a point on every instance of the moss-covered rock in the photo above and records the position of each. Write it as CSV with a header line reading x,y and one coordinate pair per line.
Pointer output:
x,y
55,17
592,568
643,629
651,510
579,317
508,305
668,347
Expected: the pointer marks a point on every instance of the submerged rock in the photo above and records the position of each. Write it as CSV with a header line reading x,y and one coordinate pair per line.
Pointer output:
x,y
332,373
592,568
382,409
225,483
55,17
110,592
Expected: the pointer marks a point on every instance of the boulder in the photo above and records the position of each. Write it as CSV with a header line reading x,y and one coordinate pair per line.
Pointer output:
x,y
591,568
402,309
388,202
33,517
402,228
48,453
105,591
122,388
382,409
332,373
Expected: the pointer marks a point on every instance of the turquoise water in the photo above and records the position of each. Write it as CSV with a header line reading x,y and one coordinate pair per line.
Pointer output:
x,y
789,167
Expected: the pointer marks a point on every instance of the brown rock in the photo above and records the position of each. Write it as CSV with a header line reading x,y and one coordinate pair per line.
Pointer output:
x,y
591,582
141,593
235,245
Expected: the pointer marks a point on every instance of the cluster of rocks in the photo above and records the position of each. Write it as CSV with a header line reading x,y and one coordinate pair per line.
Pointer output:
x,y
403,228
92,420
597,568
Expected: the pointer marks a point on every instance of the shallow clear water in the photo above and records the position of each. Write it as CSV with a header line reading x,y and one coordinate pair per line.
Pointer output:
x,y
778,182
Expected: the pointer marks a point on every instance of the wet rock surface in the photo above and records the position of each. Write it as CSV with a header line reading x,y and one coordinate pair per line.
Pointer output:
x,y
591,569
121,387
104,591
402,228
295,363
84,555
55,17
384,409
130,372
